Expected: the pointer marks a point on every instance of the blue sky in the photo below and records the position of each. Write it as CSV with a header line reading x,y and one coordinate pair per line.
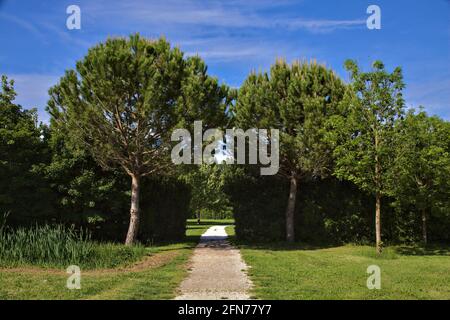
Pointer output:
x,y
235,37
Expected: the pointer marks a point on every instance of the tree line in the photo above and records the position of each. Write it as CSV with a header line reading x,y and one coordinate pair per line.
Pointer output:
x,y
112,117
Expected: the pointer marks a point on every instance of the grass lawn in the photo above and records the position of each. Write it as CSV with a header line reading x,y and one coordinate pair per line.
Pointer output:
x,y
155,276
297,272
278,271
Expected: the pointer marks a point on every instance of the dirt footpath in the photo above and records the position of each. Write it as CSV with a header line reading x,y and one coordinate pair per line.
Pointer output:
x,y
217,270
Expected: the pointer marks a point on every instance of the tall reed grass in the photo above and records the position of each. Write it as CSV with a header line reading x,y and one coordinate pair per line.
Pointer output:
x,y
61,246
44,245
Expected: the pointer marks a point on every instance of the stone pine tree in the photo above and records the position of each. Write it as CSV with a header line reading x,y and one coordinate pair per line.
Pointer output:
x,y
365,148
123,101
421,173
297,99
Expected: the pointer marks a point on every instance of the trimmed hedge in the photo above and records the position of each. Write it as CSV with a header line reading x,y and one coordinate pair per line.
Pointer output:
x,y
164,204
258,205
164,208
327,211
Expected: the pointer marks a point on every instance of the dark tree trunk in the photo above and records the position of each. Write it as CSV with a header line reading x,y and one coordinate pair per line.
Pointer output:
x,y
133,228
378,222
290,232
424,227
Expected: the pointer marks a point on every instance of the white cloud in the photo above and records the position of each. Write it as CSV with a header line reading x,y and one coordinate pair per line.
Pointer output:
x,y
229,14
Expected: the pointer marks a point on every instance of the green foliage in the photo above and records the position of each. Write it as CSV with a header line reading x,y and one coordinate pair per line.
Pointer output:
x,y
125,99
258,206
208,200
23,152
296,99
165,208
420,176
86,195
363,133
328,211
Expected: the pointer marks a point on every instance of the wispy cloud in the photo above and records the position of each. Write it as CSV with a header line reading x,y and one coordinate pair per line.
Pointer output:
x,y
22,23
44,29
430,95
325,25
261,52
219,31
228,14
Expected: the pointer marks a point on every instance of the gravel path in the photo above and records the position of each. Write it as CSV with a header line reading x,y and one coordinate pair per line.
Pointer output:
x,y
217,270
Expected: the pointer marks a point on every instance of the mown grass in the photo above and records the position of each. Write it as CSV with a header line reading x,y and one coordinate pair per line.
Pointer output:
x,y
158,280
281,271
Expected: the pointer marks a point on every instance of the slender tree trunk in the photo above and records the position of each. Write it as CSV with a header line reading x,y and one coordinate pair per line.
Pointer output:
x,y
424,226
290,232
378,222
377,196
133,228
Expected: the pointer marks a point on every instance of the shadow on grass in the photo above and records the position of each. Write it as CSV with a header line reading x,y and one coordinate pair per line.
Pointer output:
x,y
193,224
165,246
389,252
430,250
280,245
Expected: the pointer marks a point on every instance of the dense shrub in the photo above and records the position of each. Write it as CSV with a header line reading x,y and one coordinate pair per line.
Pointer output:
x,y
259,205
165,208
327,211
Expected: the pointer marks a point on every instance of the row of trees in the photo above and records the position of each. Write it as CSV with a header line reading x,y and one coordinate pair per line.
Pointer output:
x,y
358,132
121,104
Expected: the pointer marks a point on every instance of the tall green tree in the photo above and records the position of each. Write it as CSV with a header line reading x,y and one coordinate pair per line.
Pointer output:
x,y
365,132
421,172
123,101
86,194
23,151
297,99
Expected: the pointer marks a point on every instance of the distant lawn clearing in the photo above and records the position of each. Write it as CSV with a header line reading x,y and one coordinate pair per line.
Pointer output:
x,y
293,272
155,276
